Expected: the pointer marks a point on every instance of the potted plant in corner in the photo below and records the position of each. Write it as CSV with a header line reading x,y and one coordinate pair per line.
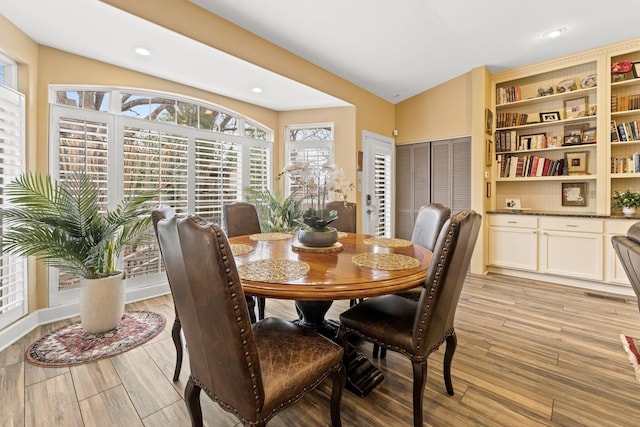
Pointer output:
x,y
62,224
628,201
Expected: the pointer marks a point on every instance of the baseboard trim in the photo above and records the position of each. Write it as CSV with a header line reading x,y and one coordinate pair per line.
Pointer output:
x,y
28,323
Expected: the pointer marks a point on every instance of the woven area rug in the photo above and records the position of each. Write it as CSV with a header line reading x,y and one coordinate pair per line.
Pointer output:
x,y
72,345
631,346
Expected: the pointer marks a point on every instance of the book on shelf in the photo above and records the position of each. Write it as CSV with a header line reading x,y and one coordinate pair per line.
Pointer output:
x,y
506,119
505,95
629,164
625,102
615,137
511,166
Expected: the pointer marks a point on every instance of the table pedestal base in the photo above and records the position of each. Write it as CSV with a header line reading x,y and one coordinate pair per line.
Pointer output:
x,y
362,376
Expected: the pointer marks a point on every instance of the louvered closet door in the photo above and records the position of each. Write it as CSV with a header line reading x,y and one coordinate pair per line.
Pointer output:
x,y
413,185
451,173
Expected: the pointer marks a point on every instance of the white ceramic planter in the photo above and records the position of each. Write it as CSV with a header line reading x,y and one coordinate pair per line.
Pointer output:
x,y
101,303
628,211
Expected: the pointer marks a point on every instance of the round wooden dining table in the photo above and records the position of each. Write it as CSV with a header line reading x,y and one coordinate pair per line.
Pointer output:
x,y
276,265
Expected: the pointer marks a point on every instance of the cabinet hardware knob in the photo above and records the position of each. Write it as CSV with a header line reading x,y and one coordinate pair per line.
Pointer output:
x,y
571,225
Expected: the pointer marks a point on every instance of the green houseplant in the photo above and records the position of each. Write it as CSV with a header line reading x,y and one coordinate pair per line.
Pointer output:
x,y
62,224
627,200
275,211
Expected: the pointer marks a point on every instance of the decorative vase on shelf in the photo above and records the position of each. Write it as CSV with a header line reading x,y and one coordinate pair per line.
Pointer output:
x,y
318,238
618,77
627,211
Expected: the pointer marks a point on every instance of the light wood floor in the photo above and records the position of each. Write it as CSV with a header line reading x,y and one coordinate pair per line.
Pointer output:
x,y
529,354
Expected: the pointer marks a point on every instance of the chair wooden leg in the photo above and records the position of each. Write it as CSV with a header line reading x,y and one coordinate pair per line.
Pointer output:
x,y
251,305
192,399
339,380
419,381
382,350
177,341
452,343
261,305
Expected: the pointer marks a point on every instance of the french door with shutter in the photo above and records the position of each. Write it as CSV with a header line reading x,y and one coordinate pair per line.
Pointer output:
x,y
377,185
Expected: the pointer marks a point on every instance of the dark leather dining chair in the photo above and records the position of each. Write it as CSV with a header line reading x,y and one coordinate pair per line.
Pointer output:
x,y
239,219
251,370
157,214
429,221
347,216
415,329
628,250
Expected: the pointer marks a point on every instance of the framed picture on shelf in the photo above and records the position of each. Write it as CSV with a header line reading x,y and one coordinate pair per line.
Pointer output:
x,y
488,121
487,152
574,108
531,142
573,134
577,162
552,116
574,193
636,70
588,135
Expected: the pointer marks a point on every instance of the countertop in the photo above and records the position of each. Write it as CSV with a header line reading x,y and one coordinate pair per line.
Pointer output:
x,y
635,217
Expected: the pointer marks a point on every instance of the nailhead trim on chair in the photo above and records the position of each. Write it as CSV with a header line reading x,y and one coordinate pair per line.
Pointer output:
x,y
243,333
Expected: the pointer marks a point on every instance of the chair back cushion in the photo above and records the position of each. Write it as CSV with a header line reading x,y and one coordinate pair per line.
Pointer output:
x,y
347,216
240,218
429,222
213,311
628,250
443,285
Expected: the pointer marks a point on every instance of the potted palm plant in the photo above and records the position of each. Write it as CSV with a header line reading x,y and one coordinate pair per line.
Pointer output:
x,y
62,224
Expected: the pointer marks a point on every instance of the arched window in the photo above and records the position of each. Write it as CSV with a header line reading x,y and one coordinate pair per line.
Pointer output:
x,y
197,156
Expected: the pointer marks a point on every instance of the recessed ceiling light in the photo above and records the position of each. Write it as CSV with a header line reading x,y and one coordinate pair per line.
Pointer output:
x,y
554,32
142,51
256,90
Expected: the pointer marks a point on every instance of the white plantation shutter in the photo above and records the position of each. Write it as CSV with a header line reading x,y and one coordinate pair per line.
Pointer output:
x,y
82,147
153,161
13,281
218,176
194,169
382,191
260,167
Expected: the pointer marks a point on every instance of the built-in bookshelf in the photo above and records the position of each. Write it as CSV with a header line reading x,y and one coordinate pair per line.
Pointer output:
x,y
624,136
546,134
555,109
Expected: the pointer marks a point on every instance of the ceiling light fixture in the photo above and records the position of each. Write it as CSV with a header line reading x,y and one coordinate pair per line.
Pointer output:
x,y
554,32
256,90
142,51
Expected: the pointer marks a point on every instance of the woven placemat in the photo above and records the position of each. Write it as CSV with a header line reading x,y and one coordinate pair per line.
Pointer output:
x,y
240,249
385,261
271,236
272,270
387,242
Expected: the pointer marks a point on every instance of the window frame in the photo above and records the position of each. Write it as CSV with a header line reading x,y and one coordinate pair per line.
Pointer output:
x,y
117,125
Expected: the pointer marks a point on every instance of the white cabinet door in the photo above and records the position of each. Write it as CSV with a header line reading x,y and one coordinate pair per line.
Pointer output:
x,y
614,271
513,247
570,254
